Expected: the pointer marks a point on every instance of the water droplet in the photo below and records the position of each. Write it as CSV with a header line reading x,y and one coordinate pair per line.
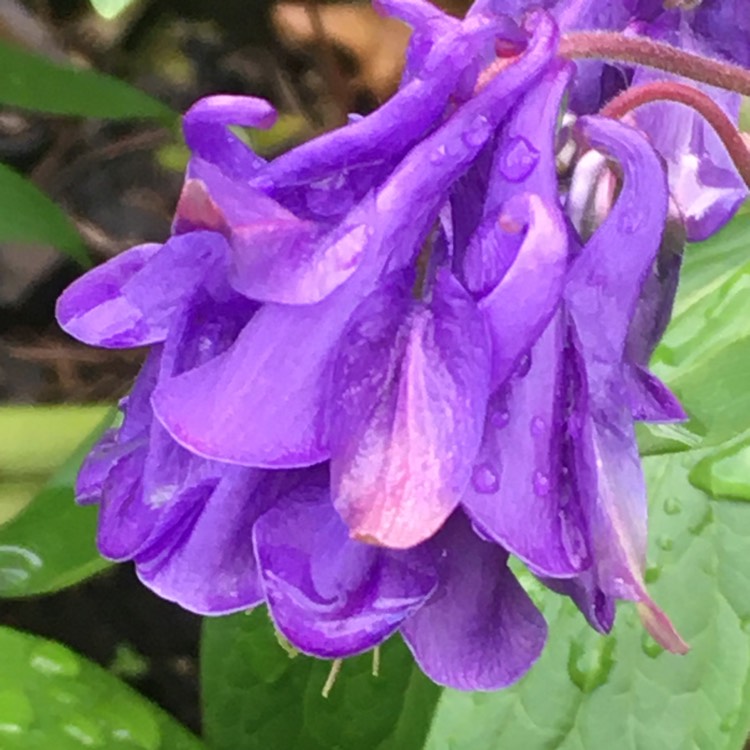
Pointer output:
x,y
17,565
84,730
729,722
664,542
52,659
524,365
16,712
541,484
589,666
650,647
573,541
500,418
438,155
518,159
537,427
485,479
703,522
672,506
477,133
631,219
652,574
745,624
725,474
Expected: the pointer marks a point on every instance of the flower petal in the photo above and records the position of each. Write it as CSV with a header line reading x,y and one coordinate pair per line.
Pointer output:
x,y
130,300
606,279
520,472
206,563
329,595
480,631
206,127
412,380
519,308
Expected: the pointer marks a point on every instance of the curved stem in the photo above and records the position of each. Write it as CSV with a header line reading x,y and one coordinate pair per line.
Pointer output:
x,y
697,100
642,51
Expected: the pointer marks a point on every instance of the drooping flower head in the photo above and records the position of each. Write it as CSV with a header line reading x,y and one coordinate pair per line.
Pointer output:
x,y
393,356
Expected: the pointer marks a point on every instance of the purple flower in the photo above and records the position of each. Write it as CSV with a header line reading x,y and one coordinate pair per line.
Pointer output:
x,y
393,356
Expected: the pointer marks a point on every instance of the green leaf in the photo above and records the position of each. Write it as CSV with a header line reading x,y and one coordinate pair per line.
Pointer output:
x,y
623,692
51,544
52,698
28,215
33,82
705,354
255,695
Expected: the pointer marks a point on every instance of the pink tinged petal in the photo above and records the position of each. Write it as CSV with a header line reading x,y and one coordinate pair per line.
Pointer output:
x,y
130,300
480,631
606,279
520,488
329,595
207,563
519,308
412,385
206,127
291,261
611,477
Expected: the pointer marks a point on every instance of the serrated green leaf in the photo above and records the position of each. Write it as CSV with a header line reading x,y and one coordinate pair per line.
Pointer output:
x,y
51,544
256,696
52,698
623,692
28,215
33,82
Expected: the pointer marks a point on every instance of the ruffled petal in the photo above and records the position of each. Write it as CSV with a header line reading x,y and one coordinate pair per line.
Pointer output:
x,y
480,630
520,490
130,300
328,594
410,387
206,563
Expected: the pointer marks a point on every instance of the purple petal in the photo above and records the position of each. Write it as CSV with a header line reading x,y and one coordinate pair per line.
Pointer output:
x,y
93,308
480,631
605,281
206,563
596,606
519,308
520,474
650,400
611,480
410,387
206,127
130,300
329,595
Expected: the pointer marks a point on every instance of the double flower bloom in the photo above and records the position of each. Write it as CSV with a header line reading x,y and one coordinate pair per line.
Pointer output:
x,y
394,355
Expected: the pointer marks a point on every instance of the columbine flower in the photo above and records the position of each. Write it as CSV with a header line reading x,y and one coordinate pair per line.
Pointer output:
x,y
386,359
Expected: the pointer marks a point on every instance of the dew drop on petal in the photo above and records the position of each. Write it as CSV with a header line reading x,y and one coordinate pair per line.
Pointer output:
x,y
541,484
537,427
631,220
477,132
518,159
524,365
485,479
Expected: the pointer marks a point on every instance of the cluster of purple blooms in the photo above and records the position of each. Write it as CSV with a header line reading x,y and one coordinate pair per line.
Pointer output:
x,y
389,358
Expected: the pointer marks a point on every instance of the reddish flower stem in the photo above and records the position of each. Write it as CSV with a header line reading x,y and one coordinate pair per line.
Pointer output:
x,y
616,47
691,97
